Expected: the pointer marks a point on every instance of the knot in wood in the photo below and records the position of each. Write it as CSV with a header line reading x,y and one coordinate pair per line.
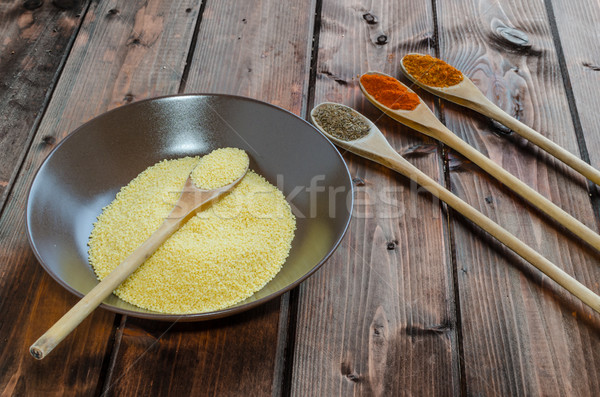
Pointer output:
x,y
358,181
590,66
514,36
48,140
382,39
349,373
419,330
509,35
429,40
500,128
64,4
32,4
370,18
353,377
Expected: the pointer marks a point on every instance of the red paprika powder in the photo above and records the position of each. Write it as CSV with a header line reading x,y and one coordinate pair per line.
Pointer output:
x,y
389,92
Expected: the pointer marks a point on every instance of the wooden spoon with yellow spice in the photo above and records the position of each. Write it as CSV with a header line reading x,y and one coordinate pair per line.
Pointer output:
x,y
207,182
403,105
445,81
352,131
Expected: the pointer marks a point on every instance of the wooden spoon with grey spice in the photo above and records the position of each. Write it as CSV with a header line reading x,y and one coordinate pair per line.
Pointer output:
x,y
366,140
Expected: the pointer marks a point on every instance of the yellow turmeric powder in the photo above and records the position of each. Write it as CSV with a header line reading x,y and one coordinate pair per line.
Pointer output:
x,y
431,71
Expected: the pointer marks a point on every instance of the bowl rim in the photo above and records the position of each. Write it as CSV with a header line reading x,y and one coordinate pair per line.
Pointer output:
x,y
189,316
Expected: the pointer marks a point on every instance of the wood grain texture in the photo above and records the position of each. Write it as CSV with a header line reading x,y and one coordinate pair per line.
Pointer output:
x,y
382,316
522,335
378,318
577,24
34,46
99,74
259,49
224,357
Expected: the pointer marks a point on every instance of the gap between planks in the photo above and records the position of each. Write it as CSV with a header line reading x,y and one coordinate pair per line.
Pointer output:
x,y
566,78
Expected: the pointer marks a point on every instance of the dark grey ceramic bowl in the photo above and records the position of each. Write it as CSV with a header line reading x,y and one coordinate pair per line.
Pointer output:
x,y
87,169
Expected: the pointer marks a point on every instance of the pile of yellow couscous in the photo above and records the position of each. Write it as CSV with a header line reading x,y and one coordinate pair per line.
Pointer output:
x,y
220,257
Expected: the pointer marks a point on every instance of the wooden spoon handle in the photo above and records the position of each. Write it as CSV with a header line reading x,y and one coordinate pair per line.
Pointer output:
x,y
489,109
94,298
521,188
544,265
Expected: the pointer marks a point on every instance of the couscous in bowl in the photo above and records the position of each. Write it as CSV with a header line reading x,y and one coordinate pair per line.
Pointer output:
x,y
86,170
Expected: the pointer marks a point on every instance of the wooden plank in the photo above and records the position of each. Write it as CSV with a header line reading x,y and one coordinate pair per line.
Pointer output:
x,y
522,335
99,74
378,318
260,49
221,357
577,26
36,38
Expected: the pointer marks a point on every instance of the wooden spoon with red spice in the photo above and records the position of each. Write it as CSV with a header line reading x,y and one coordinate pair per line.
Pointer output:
x,y
463,92
374,146
422,119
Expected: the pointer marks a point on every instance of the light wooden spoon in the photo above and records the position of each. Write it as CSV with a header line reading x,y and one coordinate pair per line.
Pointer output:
x,y
375,147
468,95
191,200
423,120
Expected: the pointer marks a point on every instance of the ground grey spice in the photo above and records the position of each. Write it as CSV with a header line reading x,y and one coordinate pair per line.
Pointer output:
x,y
341,122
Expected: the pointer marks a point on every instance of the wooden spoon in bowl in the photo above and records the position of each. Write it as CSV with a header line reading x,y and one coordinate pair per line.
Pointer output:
x,y
374,146
468,95
422,119
192,199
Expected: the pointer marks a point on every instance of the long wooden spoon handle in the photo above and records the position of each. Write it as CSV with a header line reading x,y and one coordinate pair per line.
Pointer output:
x,y
529,254
67,323
521,188
496,113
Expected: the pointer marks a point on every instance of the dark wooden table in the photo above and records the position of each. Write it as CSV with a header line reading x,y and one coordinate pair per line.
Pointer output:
x,y
416,300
